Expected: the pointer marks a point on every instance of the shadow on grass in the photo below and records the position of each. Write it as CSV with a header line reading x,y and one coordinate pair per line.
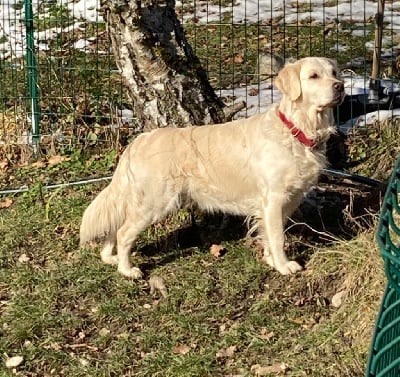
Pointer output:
x,y
188,239
335,210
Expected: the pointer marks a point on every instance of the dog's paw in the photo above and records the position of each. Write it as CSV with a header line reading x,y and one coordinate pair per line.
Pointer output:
x,y
133,272
268,260
109,259
291,267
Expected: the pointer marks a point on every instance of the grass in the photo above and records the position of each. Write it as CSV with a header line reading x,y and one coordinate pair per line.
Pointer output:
x,y
70,315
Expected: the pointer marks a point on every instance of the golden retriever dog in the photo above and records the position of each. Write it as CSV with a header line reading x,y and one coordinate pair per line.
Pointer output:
x,y
260,167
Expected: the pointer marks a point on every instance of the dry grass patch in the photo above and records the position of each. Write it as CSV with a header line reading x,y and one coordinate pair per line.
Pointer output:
x,y
359,274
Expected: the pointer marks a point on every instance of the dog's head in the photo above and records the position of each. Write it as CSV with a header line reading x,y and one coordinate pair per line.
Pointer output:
x,y
312,81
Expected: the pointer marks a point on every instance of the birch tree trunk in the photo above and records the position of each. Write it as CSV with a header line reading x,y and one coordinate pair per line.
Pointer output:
x,y
164,78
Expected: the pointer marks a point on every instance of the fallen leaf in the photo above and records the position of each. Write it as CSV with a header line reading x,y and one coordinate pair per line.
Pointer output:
x,y
306,324
13,362
265,334
23,258
56,346
298,321
6,203
38,164
157,284
337,299
309,324
238,59
181,349
226,352
53,160
276,368
3,164
82,346
258,247
81,335
217,250
84,362
104,331
222,328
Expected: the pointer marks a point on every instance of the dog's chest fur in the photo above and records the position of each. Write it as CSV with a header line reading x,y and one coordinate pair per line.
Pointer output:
x,y
304,172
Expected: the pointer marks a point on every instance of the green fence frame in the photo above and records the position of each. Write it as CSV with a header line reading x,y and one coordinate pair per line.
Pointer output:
x,y
32,76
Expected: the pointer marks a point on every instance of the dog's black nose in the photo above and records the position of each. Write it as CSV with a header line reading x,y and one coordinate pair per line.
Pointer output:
x,y
338,86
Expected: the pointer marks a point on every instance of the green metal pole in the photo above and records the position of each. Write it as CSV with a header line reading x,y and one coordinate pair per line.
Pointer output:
x,y
32,74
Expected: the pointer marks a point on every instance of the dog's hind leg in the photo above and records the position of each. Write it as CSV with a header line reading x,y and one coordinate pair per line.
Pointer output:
x,y
126,235
107,251
163,200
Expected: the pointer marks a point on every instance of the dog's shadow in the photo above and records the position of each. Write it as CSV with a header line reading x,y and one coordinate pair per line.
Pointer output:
x,y
334,210
204,231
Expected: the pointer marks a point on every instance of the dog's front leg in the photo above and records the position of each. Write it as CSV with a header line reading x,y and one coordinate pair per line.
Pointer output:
x,y
274,254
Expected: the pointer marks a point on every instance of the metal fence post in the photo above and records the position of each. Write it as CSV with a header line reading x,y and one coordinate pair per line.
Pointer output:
x,y
32,75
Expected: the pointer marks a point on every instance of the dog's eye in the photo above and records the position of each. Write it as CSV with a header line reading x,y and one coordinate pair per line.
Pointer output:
x,y
314,76
334,72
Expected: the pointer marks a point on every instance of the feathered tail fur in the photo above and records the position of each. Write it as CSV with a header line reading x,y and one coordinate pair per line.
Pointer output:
x,y
104,216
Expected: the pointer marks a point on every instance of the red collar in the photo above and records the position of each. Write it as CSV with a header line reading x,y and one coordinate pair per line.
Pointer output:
x,y
299,134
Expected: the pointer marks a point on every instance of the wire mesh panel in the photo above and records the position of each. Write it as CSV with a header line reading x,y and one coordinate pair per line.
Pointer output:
x,y
388,235
80,88
12,75
384,358
241,45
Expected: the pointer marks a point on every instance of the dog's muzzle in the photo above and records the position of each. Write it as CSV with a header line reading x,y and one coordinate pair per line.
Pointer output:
x,y
338,92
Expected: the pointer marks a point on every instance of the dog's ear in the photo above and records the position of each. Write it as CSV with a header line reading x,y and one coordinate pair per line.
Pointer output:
x,y
288,81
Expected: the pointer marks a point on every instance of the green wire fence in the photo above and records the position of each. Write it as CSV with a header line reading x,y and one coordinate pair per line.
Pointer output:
x,y
60,85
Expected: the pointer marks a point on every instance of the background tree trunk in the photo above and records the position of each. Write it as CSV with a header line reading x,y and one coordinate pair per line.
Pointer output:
x,y
164,78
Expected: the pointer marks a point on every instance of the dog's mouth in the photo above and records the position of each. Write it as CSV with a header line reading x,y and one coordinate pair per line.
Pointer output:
x,y
338,99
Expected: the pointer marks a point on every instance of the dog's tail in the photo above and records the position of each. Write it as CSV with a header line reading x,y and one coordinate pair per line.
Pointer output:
x,y
104,216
